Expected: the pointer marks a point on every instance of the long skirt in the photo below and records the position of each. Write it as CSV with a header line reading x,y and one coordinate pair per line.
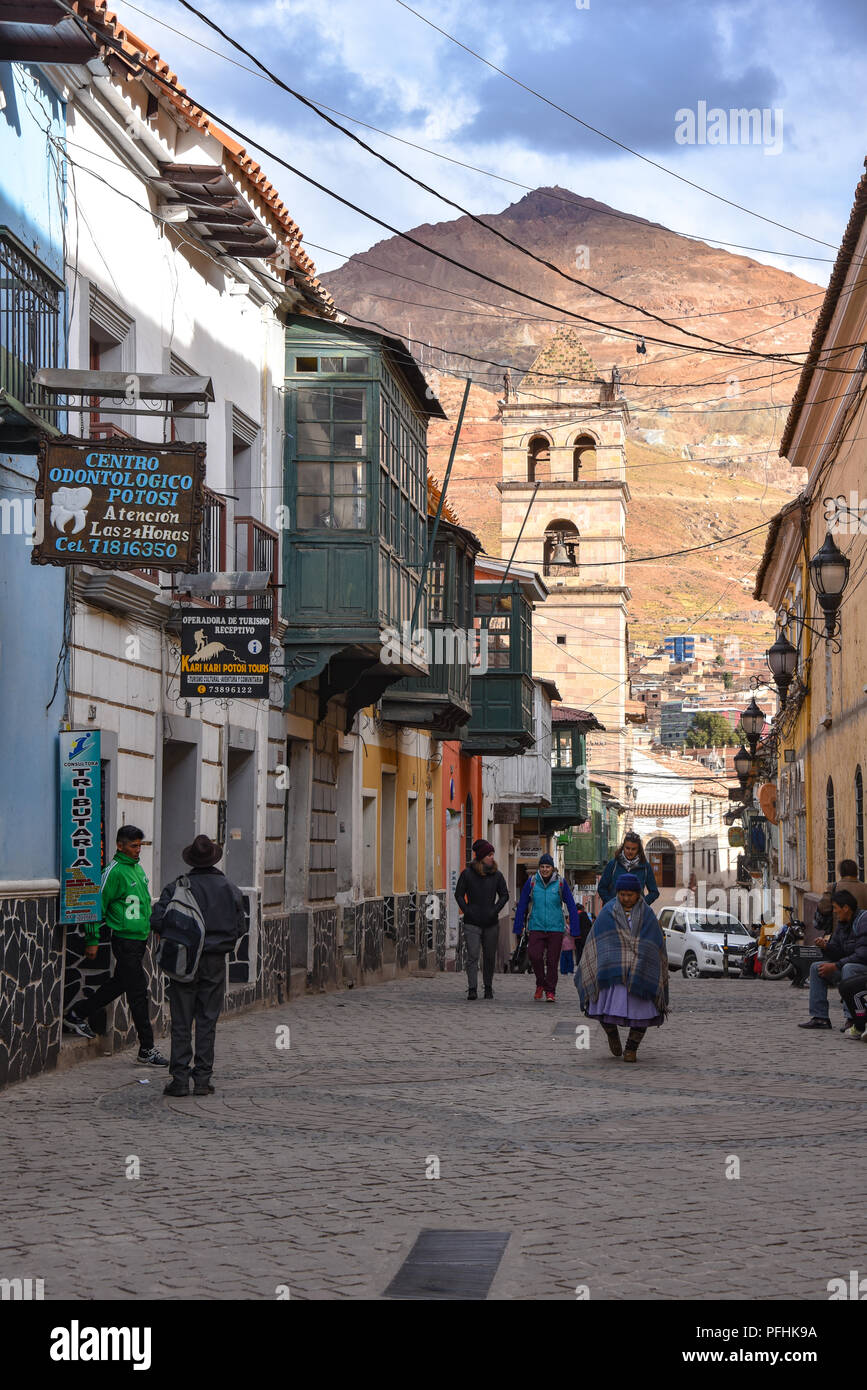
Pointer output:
x,y
616,1005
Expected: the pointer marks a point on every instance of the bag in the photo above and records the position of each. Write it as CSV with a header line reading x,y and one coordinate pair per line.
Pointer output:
x,y
518,963
182,934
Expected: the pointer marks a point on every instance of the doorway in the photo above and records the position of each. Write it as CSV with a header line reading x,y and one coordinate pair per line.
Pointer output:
x,y
240,853
179,806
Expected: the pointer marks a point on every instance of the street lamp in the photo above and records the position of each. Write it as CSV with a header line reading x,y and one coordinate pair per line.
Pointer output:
x,y
782,658
743,762
752,723
829,575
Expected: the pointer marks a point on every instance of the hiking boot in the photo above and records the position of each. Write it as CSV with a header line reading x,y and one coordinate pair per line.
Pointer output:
x,y
823,1023
73,1024
176,1088
203,1089
489,993
150,1057
472,994
614,1045
539,992
630,1054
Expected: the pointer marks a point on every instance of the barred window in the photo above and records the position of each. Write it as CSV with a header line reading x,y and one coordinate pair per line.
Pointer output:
x,y
859,820
830,833
29,322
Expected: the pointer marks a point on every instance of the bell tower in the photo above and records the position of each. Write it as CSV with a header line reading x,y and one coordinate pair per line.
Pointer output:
x,y
564,430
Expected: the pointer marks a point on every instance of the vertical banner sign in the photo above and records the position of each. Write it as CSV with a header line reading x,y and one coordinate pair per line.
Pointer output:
x,y
80,807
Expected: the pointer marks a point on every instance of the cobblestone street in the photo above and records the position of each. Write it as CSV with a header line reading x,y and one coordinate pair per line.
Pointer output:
x,y
307,1168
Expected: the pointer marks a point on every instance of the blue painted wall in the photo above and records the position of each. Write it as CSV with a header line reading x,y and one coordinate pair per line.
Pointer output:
x,y
31,596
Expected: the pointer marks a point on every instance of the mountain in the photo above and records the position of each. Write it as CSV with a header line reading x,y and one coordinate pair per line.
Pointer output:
x,y
704,422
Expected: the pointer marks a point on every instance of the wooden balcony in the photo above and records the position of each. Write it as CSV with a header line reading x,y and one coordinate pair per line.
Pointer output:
x,y
257,547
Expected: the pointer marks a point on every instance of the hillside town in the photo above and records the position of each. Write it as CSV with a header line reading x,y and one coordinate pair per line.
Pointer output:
x,y
353,658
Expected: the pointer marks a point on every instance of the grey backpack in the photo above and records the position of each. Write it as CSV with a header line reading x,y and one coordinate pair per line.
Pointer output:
x,y
182,934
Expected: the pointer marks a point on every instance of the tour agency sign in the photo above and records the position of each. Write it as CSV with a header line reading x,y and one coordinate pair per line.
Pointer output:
x,y
122,506
225,653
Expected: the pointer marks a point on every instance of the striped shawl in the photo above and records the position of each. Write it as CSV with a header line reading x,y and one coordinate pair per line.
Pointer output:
x,y
624,951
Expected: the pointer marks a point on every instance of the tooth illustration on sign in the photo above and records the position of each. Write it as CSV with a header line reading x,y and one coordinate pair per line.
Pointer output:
x,y
69,502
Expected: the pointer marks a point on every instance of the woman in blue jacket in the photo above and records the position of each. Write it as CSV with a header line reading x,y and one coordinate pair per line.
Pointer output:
x,y
629,859
542,901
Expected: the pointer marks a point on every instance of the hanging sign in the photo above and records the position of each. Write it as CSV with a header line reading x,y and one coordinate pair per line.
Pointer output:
x,y
120,505
225,653
736,836
80,811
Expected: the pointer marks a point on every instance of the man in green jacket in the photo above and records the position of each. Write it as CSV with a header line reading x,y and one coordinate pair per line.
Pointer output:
x,y
126,911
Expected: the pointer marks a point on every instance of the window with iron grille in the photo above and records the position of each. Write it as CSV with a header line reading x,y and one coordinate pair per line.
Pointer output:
x,y
29,321
830,834
859,820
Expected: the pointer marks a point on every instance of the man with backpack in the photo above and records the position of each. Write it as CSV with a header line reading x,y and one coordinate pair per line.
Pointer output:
x,y
126,908
208,926
546,904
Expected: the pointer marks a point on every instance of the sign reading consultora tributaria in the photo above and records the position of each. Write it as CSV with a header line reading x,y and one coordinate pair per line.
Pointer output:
x,y
120,504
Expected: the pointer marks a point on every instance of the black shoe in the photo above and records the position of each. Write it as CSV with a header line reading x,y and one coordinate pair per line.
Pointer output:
x,y
823,1023
203,1090
489,993
472,994
176,1088
73,1024
151,1057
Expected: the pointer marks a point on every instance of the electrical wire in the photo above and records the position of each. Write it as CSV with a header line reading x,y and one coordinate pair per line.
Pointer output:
x,y
574,201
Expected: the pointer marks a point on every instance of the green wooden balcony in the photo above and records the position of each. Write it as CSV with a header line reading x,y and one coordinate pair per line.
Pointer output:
x,y
355,504
502,718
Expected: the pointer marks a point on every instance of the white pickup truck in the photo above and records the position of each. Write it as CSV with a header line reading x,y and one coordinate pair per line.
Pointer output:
x,y
694,940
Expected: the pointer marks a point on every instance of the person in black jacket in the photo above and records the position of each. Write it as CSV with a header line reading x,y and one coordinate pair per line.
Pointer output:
x,y
481,894
201,1000
845,961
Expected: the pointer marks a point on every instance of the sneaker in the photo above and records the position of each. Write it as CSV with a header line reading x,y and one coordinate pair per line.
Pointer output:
x,y
823,1023
864,1036
539,992
472,994
206,1090
73,1024
853,1032
549,999
176,1088
489,993
150,1057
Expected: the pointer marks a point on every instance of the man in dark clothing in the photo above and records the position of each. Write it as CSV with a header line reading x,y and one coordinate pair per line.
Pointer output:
x,y
481,894
201,999
845,960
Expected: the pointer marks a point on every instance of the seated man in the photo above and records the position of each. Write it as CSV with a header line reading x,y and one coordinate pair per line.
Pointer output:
x,y
845,960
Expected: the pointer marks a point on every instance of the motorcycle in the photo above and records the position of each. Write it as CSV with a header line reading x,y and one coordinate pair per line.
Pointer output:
x,y
779,962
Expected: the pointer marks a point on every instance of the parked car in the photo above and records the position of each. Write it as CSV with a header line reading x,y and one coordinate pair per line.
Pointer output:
x,y
694,939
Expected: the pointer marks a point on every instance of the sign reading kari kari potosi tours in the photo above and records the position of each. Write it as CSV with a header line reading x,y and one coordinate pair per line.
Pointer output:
x,y
225,653
80,819
119,504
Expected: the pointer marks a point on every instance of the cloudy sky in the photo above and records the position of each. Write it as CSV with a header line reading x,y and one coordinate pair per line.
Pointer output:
x,y
627,67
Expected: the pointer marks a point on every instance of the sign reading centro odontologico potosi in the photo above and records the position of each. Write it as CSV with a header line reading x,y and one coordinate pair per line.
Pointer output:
x,y
121,505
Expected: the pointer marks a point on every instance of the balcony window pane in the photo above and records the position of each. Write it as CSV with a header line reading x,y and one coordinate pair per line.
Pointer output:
x,y
358,366
306,364
349,438
313,477
350,404
312,512
313,403
498,644
350,513
349,477
331,364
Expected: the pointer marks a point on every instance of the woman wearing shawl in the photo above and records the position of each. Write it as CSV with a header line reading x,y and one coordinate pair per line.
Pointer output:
x,y
623,974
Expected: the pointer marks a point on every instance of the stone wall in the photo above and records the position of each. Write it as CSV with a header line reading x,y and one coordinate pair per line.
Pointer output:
x,y
31,986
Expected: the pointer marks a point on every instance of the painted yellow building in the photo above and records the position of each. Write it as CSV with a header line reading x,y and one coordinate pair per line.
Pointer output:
x,y
823,728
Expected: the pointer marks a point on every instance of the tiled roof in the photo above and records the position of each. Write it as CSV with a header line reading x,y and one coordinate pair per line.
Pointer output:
x,y
568,714
658,809
142,55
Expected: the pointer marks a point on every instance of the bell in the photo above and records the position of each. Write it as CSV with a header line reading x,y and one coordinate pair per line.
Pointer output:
x,y
559,555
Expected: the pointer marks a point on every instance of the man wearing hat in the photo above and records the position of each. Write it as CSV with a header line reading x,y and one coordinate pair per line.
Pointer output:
x,y
545,902
481,894
201,999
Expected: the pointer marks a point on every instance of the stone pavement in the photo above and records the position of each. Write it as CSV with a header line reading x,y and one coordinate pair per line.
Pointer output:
x,y
307,1168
